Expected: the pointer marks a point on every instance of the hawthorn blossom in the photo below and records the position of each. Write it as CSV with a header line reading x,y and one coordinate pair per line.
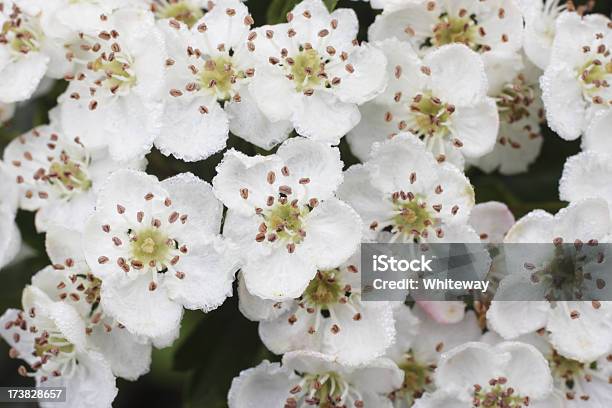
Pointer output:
x,y
576,83
23,61
521,113
441,98
580,330
540,28
510,374
492,221
208,71
117,83
69,279
311,71
587,175
283,216
58,176
487,27
576,384
308,378
329,317
50,338
188,12
403,190
11,237
156,248
419,345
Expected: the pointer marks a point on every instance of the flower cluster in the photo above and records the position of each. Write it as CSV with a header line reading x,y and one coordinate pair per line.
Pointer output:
x,y
440,90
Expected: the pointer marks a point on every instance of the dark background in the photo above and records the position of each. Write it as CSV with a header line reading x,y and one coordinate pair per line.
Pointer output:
x,y
213,348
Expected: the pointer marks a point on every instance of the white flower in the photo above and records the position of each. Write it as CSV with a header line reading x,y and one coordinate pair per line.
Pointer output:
x,y
510,374
185,11
403,190
58,176
540,28
70,279
521,112
208,71
485,27
576,83
587,175
492,221
579,384
156,248
441,98
310,378
23,62
114,96
597,135
50,337
11,237
7,110
329,317
580,330
419,345
283,216
311,72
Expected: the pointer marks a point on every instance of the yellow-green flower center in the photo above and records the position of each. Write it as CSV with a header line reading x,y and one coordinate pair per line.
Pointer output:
x,y
21,40
52,344
565,368
150,246
70,175
410,216
306,68
416,377
498,395
324,289
450,30
431,115
182,11
219,76
286,222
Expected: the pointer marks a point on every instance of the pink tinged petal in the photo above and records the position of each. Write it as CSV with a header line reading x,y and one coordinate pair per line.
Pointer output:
x,y
491,220
442,311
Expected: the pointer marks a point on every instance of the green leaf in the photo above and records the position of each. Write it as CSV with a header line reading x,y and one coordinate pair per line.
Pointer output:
x,y
277,12
330,4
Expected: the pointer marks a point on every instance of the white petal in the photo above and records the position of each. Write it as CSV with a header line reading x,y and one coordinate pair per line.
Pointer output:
x,y
534,381
371,129
190,135
361,341
586,175
407,328
128,356
381,376
491,220
273,93
140,310
321,164
21,77
444,312
194,197
11,241
63,243
476,127
280,275
584,338
255,308
324,118
565,106
331,223
512,319
226,28
266,385
457,74
247,121
597,135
